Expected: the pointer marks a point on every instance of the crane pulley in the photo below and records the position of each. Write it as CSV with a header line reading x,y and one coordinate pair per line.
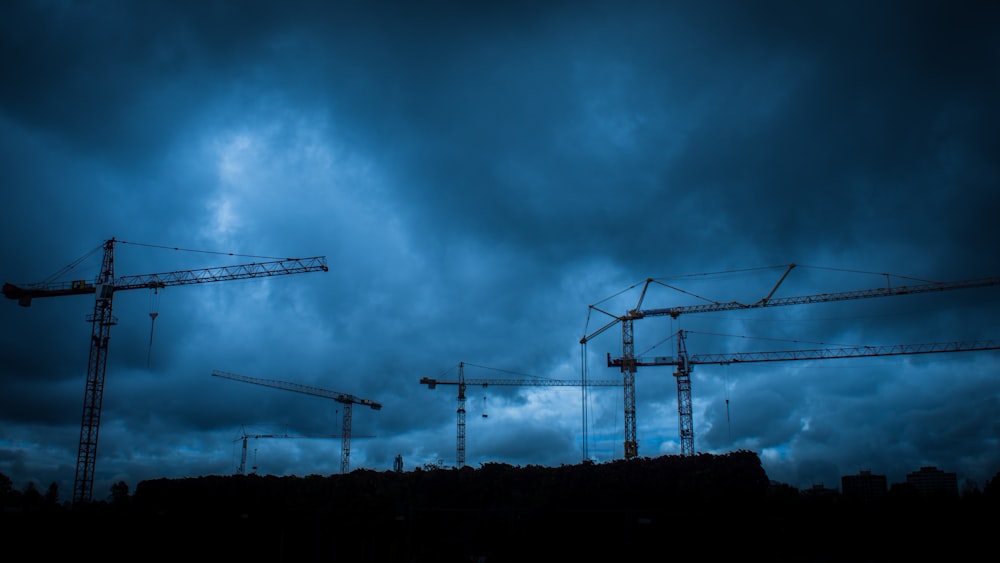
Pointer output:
x,y
103,288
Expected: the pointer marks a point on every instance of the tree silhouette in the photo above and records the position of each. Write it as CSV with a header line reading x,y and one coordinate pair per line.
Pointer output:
x,y
6,486
119,493
31,496
52,494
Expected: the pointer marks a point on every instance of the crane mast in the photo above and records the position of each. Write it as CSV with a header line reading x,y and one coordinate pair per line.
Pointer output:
x,y
346,399
462,382
628,364
102,319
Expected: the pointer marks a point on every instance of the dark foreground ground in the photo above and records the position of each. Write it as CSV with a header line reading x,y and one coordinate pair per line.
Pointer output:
x,y
715,508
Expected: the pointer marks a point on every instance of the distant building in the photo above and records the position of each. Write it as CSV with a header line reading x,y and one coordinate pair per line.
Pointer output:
x,y
931,481
863,486
820,492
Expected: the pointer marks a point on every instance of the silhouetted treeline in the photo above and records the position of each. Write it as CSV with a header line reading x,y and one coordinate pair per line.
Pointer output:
x,y
719,506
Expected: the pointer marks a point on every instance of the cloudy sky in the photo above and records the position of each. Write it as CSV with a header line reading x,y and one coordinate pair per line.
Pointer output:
x,y
492,183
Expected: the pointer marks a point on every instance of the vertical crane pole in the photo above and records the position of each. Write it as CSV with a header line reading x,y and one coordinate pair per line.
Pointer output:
x,y
583,402
684,410
101,322
345,442
631,445
243,458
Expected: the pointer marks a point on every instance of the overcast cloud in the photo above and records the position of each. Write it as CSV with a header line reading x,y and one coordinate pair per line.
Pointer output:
x,y
477,176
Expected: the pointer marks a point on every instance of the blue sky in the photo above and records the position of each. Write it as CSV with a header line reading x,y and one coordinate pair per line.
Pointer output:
x,y
477,176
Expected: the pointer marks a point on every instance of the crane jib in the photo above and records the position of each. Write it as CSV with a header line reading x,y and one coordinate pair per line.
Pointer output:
x,y
814,354
818,298
24,294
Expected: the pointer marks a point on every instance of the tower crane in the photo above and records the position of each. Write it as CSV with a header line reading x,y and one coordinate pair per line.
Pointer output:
x,y
685,363
243,458
346,399
628,362
104,289
462,382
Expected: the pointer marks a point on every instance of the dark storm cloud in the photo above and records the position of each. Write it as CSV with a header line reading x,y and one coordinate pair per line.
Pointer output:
x,y
477,175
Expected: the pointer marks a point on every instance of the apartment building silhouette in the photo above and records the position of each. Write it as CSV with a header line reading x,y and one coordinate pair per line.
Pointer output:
x,y
931,481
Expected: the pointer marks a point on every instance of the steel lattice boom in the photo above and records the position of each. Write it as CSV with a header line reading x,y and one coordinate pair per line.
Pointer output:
x,y
26,292
811,354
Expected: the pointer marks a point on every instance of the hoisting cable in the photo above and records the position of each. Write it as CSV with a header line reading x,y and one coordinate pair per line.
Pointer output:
x,y
154,305
201,251
583,399
729,424
71,265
